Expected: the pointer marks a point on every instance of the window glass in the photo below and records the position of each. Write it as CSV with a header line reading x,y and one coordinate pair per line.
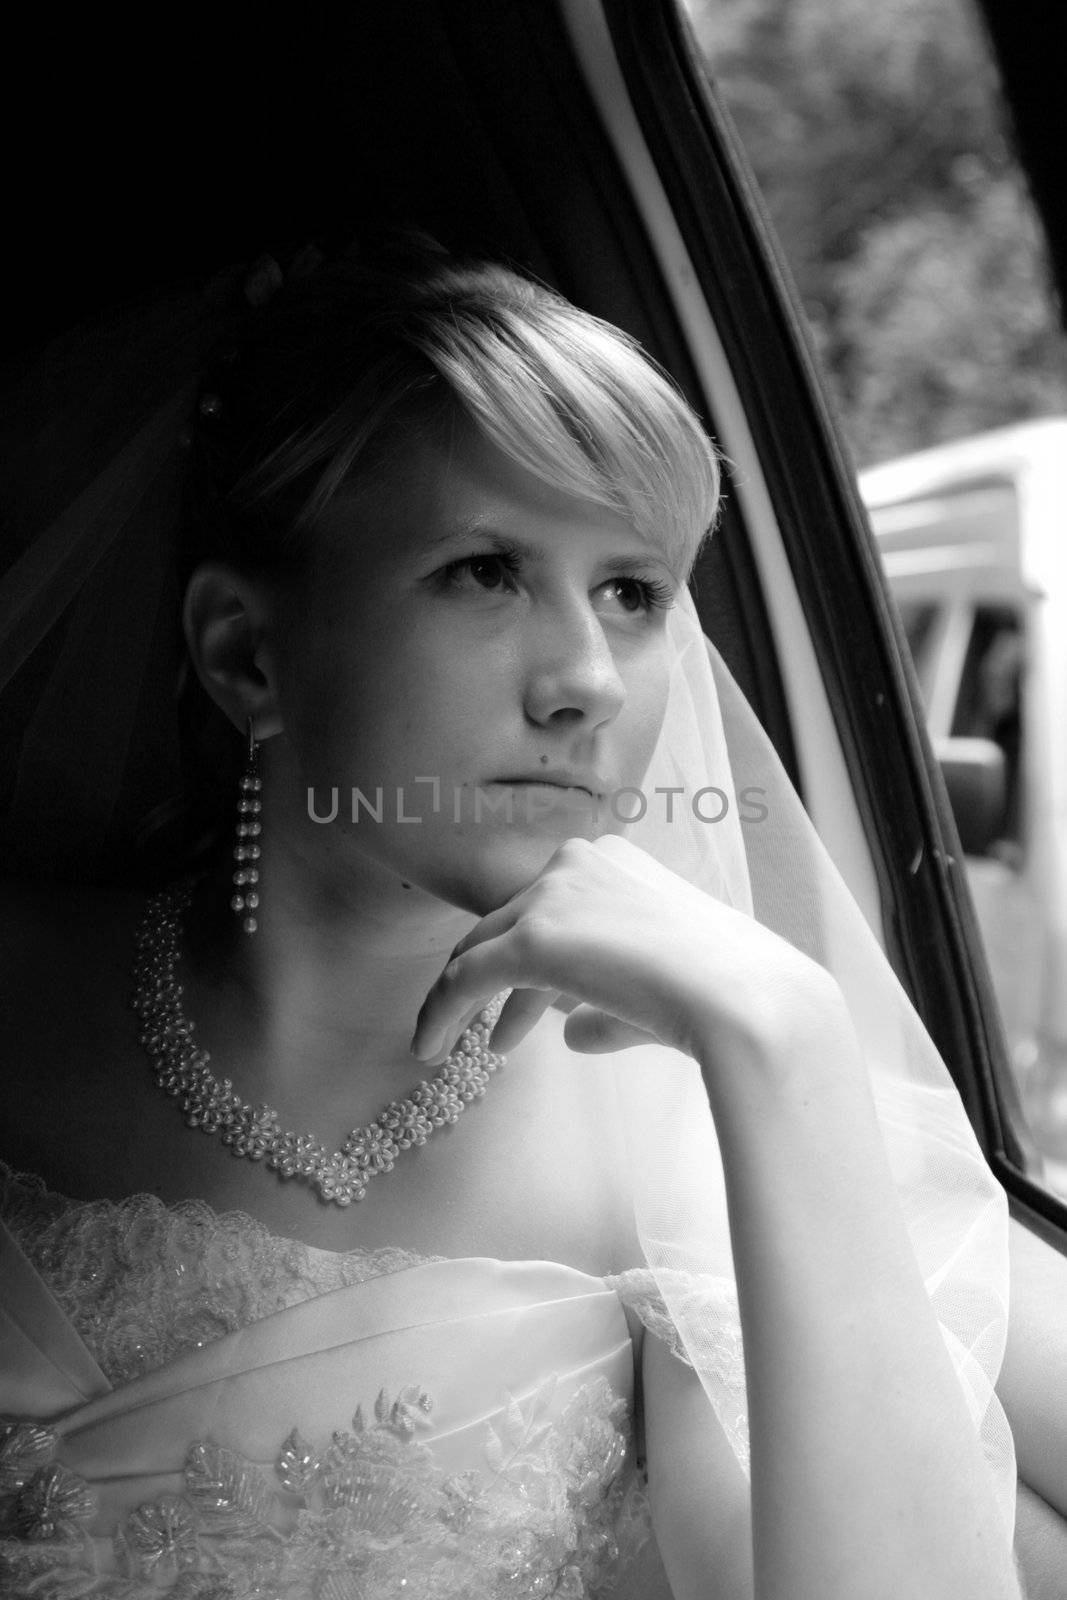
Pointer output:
x,y
918,617
878,138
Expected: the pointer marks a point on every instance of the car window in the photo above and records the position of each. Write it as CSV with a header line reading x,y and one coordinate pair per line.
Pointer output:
x,y
918,617
885,160
878,138
989,705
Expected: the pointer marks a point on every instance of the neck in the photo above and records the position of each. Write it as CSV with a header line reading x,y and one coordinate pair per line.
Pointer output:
x,y
336,972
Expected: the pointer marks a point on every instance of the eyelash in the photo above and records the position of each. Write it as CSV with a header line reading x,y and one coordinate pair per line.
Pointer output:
x,y
655,595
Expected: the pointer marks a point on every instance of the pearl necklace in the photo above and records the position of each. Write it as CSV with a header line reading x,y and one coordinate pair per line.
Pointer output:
x,y
181,1069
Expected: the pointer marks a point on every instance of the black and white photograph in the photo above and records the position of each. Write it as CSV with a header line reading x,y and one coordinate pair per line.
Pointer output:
x,y
533,802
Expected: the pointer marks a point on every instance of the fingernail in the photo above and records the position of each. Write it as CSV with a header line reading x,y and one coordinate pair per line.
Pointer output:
x,y
427,1051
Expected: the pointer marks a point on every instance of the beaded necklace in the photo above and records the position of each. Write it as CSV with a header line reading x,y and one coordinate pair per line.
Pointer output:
x,y
181,1069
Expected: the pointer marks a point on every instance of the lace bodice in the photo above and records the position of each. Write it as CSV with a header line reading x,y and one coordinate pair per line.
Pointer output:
x,y
142,1281
536,1494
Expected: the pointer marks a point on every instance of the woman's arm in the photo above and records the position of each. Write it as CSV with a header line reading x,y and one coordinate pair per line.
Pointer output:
x,y
1040,1547
1033,1390
1033,1379
701,1508
868,1480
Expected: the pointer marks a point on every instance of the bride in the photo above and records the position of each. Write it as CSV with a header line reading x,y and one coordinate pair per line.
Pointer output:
x,y
515,982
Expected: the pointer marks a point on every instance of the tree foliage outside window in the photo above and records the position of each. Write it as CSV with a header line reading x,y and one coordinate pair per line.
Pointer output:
x,y
876,134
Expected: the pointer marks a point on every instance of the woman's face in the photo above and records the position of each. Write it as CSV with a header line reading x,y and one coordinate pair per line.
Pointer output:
x,y
485,651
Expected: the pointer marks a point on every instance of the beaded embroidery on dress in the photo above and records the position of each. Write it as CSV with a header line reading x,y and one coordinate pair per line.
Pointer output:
x,y
142,1281
364,1513
484,1450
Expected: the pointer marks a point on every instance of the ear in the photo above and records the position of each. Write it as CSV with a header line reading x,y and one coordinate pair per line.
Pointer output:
x,y
227,623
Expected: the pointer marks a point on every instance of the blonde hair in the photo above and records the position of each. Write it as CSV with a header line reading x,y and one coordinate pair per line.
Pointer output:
x,y
357,357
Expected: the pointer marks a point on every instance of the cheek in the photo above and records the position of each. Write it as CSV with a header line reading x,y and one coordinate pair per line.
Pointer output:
x,y
367,710
332,699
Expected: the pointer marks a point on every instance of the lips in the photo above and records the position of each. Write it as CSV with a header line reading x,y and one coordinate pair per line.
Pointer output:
x,y
588,783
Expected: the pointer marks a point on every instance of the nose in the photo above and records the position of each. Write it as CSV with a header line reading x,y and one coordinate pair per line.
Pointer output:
x,y
573,676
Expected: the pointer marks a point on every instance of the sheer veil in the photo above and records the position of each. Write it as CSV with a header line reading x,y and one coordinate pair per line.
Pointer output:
x,y
775,867
89,743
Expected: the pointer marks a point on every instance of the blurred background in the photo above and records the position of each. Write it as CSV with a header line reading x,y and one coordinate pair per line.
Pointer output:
x,y
878,138
880,142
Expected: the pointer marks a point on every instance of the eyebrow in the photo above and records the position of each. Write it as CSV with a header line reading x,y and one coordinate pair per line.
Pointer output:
x,y
615,566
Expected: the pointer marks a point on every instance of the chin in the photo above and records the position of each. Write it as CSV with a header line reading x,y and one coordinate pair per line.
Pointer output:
x,y
481,879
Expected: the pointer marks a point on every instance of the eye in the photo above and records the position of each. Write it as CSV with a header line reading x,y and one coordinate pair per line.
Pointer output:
x,y
642,594
485,571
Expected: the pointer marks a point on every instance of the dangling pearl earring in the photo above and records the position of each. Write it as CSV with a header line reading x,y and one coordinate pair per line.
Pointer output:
x,y
246,878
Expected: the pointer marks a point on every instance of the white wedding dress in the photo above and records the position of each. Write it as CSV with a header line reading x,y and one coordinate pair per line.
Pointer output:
x,y
196,1408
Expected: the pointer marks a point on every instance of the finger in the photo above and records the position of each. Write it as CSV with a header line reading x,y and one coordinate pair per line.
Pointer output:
x,y
472,979
462,989
451,1033
435,1033
596,1032
491,926
522,1009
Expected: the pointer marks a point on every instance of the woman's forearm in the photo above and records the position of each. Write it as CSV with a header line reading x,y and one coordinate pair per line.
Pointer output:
x,y
1033,1378
867,1477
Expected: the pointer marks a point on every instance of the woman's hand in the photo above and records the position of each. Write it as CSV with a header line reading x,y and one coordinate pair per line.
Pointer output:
x,y
646,955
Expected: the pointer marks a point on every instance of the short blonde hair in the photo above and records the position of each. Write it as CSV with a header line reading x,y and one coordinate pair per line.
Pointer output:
x,y
355,356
